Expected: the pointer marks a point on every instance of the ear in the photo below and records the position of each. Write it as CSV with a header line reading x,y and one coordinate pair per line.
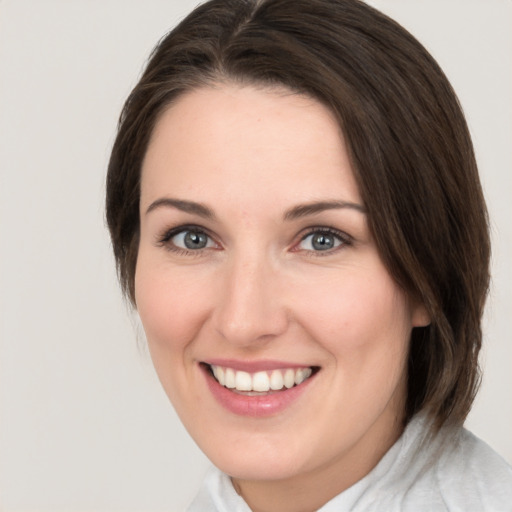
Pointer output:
x,y
419,315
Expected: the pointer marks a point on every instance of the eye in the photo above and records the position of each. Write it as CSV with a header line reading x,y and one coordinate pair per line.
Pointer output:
x,y
322,240
187,239
191,240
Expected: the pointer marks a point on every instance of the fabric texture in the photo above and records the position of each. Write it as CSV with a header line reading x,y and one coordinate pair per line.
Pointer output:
x,y
453,471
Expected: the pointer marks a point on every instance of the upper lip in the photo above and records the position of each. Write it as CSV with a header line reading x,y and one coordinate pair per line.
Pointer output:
x,y
254,366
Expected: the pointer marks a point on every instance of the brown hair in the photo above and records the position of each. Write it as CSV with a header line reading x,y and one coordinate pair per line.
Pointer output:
x,y
410,149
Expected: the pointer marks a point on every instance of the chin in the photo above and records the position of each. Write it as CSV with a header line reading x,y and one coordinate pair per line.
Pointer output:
x,y
256,469
258,459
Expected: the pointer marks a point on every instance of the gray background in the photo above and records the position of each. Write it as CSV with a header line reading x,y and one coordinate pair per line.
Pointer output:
x,y
84,425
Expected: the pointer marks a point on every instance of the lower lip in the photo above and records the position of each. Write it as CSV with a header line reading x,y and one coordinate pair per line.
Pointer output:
x,y
258,406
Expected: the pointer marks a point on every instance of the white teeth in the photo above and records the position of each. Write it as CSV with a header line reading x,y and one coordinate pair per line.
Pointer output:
x,y
276,380
218,371
289,378
302,374
229,376
262,381
243,381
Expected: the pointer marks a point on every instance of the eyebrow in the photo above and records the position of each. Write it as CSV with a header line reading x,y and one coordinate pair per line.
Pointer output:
x,y
297,212
303,210
184,206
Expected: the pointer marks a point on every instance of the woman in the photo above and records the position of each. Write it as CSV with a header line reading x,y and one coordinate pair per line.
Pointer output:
x,y
296,214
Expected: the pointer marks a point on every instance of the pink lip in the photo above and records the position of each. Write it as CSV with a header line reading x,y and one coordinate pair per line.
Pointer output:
x,y
258,406
253,366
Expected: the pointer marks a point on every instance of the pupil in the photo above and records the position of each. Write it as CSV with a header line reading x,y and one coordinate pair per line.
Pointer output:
x,y
195,240
323,242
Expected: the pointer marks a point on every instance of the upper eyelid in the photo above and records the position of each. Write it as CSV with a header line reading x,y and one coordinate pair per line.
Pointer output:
x,y
345,238
165,235
325,229
170,232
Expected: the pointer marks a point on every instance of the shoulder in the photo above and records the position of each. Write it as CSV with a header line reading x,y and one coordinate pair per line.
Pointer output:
x,y
470,473
451,471
457,471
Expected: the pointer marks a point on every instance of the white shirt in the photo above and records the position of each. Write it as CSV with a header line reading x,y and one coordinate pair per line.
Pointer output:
x,y
454,471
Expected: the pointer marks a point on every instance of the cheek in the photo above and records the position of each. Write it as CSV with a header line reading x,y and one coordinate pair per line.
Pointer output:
x,y
365,326
172,313
351,302
362,320
169,305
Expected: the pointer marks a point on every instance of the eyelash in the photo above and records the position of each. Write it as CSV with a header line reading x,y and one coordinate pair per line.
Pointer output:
x,y
344,239
164,240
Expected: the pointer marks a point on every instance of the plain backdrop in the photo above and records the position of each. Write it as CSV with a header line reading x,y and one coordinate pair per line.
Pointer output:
x,y
84,425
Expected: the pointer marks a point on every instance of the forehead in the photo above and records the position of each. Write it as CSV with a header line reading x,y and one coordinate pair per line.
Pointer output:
x,y
245,142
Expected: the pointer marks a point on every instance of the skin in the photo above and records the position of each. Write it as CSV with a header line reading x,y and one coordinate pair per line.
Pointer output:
x,y
260,290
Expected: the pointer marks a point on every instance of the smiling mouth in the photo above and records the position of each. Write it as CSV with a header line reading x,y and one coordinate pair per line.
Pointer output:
x,y
261,382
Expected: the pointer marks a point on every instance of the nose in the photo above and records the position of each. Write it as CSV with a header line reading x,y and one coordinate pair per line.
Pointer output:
x,y
250,310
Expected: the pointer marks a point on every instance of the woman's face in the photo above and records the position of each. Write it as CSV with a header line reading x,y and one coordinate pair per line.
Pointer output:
x,y
256,263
